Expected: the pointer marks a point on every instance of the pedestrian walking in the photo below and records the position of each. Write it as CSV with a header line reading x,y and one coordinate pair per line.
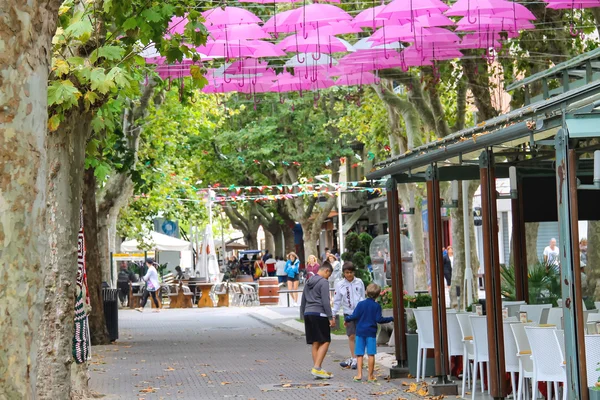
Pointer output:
x,y
551,255
367,315
312,266
292,269
348,293
318,318
448,262
337,269
280,270
152,285
123,279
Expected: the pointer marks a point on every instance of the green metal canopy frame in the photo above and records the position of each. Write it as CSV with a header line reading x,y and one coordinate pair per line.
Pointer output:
x,y
551,138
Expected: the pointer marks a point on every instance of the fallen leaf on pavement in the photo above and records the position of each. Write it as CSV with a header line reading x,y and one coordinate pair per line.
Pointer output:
x,y
203,375
286,385
148,390
170,369
225,383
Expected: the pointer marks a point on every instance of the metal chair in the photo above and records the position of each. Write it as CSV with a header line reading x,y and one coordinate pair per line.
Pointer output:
x,y
482,355
547,359
424,319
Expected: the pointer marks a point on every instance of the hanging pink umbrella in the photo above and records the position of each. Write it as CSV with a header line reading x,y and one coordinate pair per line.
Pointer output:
x,y
240,48
368,18
357,79
572,4
269,1
290,83
314,43
486,23
273,25
220,17
393,33
431,53
251,65
406,33
468,7
315,13
412,8
480,41
240,32
265,49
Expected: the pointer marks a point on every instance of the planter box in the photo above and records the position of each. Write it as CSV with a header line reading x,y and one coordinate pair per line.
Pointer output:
x,y
594,394
412,349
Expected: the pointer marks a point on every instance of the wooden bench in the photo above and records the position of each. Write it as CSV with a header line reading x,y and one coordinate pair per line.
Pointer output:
x,y
182,297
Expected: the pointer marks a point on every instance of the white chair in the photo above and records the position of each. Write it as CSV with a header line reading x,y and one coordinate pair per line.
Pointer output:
x,y
547,360
455,342
249,297
524,356
482,355
593,317
424,319
555,317
236,294
592,358
534,311
559,335
511,360
467,342
597,304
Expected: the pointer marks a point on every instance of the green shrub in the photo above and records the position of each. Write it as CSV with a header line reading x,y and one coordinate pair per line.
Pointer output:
x,y
346,256
365,240
543,282
364,275
353,243
359,260
411,325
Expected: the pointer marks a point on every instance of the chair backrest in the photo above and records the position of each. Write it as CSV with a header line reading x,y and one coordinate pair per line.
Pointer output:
x,y
534,311
455,344
597,304
424,319
593,317
559,335
465,324
520,337
592,358
513,309
544,316
555,317
235,287
545,352
510,348
513,303
480,339
511,319
559,302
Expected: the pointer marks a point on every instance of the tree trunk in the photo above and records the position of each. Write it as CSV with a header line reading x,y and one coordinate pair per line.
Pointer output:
x,y
113,198
592,268
26,32
290,239
531,235
66,152
415,233
311,238
98,331
269,241
458,245
80,378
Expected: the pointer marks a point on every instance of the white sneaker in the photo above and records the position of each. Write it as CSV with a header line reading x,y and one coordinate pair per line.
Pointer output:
x,y
347,363
354,364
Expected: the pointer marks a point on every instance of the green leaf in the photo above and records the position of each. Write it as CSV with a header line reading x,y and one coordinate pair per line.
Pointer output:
x,y
61,67
107,6
130,23
63,92
151,15
107,52
90,98
81,30
98,123
53,122
100,81
76,61
118,75
174,54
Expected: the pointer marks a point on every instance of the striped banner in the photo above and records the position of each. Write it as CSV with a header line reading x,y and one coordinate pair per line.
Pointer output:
x,y
81,335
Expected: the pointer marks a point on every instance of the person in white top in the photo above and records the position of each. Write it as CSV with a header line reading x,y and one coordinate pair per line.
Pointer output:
x,y
337,270
152,285
348,292
551,254
280,270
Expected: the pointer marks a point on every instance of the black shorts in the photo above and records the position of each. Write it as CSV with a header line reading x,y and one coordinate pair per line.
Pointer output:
x,y
317,329
294,279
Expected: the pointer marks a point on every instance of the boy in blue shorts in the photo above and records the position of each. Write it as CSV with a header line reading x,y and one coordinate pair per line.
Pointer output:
x,y
367,314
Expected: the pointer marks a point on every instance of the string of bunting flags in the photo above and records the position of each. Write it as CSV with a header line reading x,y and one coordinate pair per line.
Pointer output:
x,y
288,189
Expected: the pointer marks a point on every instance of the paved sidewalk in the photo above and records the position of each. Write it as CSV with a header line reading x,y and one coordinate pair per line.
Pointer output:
x,y
222,353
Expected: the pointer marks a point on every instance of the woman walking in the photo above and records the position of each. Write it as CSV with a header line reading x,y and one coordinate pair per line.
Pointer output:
x,y
292,269
152,285
337,270
312,266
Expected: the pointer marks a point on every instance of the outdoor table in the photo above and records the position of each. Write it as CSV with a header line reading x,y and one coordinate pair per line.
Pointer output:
x,y
205,300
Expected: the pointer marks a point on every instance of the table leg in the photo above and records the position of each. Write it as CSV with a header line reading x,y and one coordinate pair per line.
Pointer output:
x,y
205,300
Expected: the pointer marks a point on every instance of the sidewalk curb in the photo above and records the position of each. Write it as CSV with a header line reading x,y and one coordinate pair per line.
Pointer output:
x,y
279,326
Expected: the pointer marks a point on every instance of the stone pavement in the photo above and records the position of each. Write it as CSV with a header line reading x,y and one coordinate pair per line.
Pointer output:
x,y
223,353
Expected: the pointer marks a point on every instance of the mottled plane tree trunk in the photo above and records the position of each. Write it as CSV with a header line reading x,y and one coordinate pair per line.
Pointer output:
x,y
26,30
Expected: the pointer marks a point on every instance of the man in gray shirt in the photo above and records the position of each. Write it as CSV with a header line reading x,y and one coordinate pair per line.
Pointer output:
x,y
318,318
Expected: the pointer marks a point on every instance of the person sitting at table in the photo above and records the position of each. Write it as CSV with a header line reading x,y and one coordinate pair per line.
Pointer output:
x,y
245,265
178,273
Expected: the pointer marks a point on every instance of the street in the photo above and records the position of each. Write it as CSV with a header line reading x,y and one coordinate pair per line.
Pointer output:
x,y
221,353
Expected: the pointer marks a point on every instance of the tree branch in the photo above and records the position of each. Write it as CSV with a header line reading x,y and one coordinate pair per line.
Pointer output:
x,y
437,109
479,83
461,104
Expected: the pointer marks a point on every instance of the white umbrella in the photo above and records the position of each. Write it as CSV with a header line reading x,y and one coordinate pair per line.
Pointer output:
x,y
207,266
365,44
305,60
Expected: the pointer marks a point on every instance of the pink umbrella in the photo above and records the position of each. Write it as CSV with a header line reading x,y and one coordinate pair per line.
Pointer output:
x,y
313,43
265,49
251,65
366,78
240,32
431,53
240,48
290,83
467,7
486,23
572,4
412,8
406,33
273,25
220,17
480,41
368,18
315,13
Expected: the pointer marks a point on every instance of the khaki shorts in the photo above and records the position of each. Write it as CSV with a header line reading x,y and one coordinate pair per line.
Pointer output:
x,y
351,328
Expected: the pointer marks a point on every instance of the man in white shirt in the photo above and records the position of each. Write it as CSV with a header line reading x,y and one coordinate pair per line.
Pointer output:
x,y
551,254
348,292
